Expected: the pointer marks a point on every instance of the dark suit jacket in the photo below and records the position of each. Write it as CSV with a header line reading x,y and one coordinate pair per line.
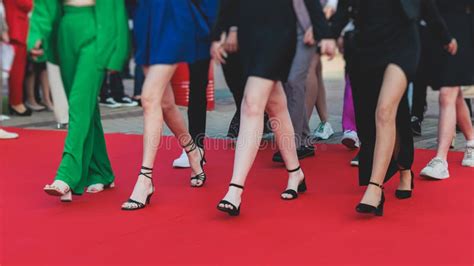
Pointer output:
x,y
16,12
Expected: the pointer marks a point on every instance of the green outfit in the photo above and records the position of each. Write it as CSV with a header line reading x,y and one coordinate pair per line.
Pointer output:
x,y
84,41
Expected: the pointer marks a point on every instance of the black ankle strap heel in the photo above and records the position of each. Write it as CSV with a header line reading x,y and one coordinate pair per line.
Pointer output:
x,y
233,210
406,194
201,176
294,193
133,205
369,209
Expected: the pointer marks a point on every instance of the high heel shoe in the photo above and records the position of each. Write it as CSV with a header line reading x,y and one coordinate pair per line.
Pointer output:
x,y
406,194
133,205
12,111
301,187
202,176
59,189
234,211
366,208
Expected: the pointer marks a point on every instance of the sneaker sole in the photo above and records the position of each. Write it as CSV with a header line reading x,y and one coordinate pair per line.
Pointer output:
x,y
467,165
355,164
427,175
110,106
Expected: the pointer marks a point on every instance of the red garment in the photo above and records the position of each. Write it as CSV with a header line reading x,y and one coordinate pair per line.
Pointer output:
x,y
17,74
16,13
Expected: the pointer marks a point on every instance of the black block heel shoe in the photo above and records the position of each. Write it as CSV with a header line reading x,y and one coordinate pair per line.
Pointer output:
x,y
234,210
12,111
369,209
134,205
406,194
301,187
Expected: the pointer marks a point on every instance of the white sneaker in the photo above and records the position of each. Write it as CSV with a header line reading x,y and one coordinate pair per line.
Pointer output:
x,y
182,161
324,131
350,139
468,160
437,168
7,135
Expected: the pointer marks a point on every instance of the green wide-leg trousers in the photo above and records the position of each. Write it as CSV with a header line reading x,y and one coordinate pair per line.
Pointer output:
x,y
85,161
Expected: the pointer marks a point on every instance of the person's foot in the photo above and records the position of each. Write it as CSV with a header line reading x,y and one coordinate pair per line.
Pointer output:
x,y
350,139
468,160
405,180
96,188
110,103
196,162
437,168
233,196
7,135
302,152
141,192
355,161
35,107
20,110
372,196
182,161
294,181
416,126
49,106
126,101
324,131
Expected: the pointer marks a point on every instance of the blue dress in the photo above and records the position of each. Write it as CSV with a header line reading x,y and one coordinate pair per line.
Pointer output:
x,y
173,31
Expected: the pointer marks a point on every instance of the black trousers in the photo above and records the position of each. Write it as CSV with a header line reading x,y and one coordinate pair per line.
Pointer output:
x,y
366,85
197,109
234,76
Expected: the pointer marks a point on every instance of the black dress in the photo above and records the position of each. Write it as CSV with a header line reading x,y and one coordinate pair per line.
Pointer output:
x,y
457,70
267,33
384,35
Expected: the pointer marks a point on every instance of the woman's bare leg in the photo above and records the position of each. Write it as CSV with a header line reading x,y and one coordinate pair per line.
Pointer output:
x,y
156,82
447,120
463,117
46,89
312,86
256,95
175,121
393,88
277,108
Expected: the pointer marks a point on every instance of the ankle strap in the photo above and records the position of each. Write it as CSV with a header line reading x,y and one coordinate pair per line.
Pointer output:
x,y
148,173
235,185
294,170
375,184
190,144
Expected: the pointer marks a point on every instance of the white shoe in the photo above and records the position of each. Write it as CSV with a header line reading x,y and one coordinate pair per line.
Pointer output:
x,y
7,135
437,168
96,188
350,140
324,131
182,161
468,160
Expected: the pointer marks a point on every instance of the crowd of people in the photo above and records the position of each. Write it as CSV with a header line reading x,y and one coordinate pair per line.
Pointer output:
x,y
78,52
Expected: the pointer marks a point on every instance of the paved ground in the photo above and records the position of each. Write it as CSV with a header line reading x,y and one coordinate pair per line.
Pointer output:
x,y
129,120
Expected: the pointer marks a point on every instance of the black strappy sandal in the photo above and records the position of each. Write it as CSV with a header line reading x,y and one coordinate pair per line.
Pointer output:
x,y
301,187
139,205
202,176
406,194
368,209
234,211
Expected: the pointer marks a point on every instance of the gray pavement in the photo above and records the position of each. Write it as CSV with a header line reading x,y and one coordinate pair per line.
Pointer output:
x,y
130,120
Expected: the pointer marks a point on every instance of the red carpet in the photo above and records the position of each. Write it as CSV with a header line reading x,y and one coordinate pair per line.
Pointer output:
x,y
182,225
